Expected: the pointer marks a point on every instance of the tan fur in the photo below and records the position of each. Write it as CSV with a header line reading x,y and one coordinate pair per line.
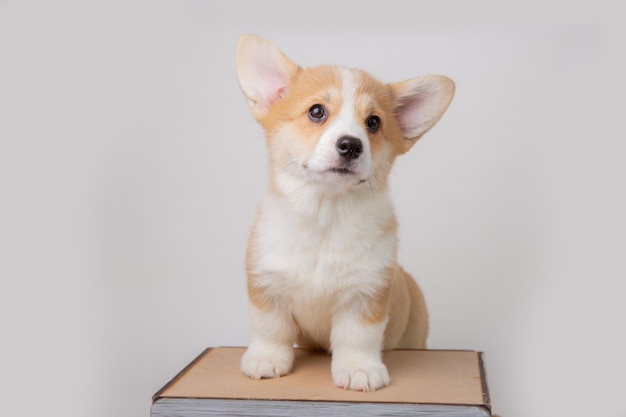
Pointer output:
x,y
415,330
256,294
377,305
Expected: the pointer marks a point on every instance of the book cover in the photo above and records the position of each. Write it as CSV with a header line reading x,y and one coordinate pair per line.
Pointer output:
x,y
423,383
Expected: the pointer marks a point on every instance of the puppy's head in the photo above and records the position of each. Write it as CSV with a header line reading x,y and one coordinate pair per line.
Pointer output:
x,y
334,127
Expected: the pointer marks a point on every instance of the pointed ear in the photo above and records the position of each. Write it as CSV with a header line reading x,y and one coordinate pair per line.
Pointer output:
x,y
420,102
264,73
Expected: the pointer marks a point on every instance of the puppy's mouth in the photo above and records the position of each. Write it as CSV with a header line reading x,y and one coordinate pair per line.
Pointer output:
x,y
340,171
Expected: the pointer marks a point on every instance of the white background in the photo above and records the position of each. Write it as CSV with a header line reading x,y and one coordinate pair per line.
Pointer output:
x,y
130,169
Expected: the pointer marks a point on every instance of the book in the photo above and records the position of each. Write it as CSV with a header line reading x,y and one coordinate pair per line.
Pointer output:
x,y
423,383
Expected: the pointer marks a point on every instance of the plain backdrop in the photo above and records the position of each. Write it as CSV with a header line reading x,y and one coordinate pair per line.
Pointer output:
x,y
130,170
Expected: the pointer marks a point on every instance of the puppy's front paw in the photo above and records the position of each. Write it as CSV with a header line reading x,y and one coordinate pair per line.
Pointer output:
x,y
267,362
361,377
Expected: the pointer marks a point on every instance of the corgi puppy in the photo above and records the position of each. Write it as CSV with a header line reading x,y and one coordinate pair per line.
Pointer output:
x,y
321,258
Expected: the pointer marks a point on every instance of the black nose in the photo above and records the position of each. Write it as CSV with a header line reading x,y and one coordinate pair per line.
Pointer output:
x,y
349,147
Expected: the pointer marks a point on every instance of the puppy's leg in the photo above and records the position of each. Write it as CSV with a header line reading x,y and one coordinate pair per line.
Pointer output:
x,y
408,315
270,353
356,348
416,331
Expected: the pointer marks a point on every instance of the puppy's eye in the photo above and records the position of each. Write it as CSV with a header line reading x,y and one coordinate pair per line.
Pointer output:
x,y
373,123
317,113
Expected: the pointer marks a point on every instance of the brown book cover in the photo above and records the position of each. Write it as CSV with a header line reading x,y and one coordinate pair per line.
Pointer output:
x,y
423,382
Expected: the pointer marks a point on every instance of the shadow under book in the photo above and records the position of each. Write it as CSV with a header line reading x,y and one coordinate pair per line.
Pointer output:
x,y
423,383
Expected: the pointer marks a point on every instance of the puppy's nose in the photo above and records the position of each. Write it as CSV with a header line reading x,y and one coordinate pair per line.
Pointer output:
x,y
349,147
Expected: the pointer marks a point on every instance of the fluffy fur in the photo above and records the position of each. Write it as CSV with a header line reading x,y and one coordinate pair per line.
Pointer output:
x,y
321,259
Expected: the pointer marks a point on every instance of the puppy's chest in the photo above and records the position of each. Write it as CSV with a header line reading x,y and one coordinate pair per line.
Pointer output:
x,y
322,256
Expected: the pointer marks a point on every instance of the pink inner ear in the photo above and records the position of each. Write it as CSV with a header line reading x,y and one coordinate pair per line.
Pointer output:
x,y
408,113
282,92
273,83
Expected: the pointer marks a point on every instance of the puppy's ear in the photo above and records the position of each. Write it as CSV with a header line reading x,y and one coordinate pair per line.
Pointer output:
x,y
264,73
420,102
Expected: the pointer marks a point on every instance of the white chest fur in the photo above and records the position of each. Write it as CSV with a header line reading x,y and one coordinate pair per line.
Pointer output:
x,y
324,248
